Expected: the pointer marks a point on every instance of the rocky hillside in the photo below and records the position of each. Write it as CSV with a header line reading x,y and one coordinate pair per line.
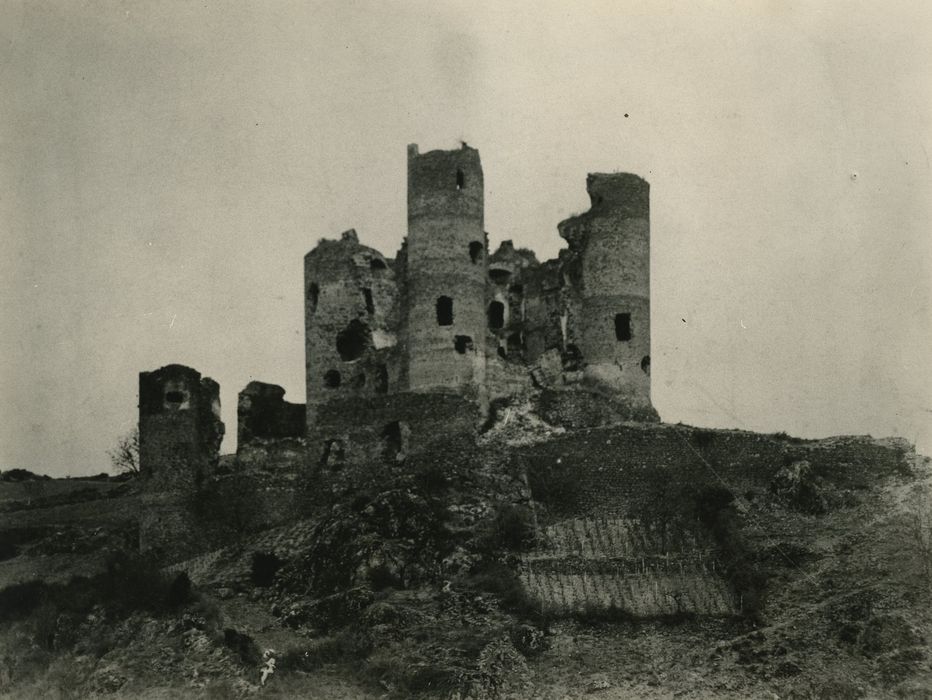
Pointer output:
x,y
624,561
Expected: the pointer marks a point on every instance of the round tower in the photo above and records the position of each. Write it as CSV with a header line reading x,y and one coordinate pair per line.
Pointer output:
x,y
612,245
446,270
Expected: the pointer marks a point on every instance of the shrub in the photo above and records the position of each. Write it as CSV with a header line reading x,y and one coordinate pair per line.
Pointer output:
x,y
264,567
511,529
19,600
243,646
501,581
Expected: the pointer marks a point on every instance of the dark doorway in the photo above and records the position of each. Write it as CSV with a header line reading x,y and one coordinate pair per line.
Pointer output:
x,y
496,315
393,442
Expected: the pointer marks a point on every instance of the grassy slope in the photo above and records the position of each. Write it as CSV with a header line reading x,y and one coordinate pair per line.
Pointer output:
x,y
847,615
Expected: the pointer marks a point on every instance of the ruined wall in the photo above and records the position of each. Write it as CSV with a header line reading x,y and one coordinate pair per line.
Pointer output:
x,y
350,323
610,273
356,440
263,413
445,272
179,441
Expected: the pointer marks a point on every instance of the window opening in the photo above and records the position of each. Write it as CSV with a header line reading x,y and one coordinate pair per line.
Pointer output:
x,y
475,251
444,311
462,343
460,180
367,296
332,379
377,264
313,292
496,315
174,397
645,364
622,327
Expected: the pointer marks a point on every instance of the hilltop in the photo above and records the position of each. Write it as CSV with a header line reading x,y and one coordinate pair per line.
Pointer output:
x,y
757,566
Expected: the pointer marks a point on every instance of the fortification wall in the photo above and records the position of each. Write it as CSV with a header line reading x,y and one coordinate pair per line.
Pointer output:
x,y
357,439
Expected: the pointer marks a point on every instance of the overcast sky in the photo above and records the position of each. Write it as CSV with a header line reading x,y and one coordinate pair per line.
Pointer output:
x,y
164,167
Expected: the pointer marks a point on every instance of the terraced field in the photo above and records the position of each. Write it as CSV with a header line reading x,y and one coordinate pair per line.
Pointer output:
x,y
592,565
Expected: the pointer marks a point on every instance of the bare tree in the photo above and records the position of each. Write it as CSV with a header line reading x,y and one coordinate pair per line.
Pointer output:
x,y
125,456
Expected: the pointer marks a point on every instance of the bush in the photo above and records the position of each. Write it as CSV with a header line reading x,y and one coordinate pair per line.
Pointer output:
x,y
264,567
511,529
19,600
8,550
501,581
349,645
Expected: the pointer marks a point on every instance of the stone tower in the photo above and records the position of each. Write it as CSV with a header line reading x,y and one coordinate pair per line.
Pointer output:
x,y
350,320
179,442
446,265
610,270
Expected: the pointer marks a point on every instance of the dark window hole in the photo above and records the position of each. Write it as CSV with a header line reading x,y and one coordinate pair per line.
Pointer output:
x,y
462,344
645,364
377,264
313,293
496,315
517,289
367,297
353,340
460,180
332,379
475,251
622,327
444,311
174,397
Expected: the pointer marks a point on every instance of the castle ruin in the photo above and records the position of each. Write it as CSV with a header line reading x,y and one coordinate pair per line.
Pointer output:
x,y
407,352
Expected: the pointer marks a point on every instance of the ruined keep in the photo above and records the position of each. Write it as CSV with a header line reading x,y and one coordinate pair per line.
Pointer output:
x,y
445,318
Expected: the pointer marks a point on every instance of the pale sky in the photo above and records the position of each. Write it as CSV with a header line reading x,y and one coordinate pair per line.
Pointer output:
x,y
164,167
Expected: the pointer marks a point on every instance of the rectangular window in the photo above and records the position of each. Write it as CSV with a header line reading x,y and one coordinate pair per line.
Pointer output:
x,y
622,327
